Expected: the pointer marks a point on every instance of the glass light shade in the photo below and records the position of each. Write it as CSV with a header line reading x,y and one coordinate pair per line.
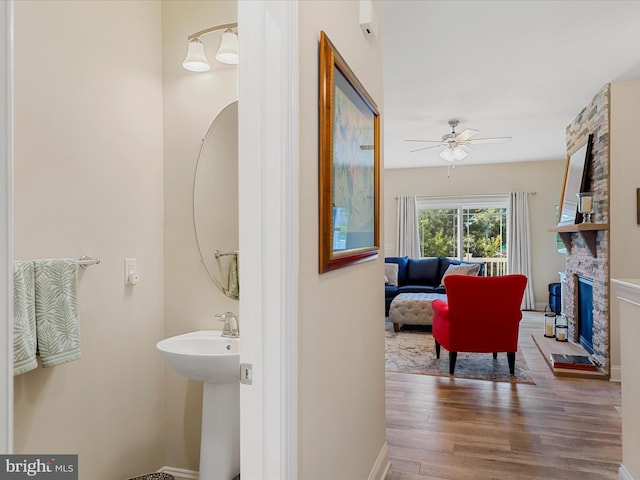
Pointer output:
x,y
196,60
452,154
228,50
447,155
459,153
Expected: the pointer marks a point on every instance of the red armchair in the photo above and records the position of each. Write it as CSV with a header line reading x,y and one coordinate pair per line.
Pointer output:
x,y
481,314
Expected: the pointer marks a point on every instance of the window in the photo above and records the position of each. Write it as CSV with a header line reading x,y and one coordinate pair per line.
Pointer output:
x,y
473,229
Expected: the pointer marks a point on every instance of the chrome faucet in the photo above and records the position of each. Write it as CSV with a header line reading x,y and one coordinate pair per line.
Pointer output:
x,y
231,326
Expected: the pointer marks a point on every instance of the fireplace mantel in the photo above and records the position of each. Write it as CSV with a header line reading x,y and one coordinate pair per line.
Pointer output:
x,y
589,232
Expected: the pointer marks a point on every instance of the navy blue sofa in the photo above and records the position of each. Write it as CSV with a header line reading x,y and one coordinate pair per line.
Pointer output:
x,y
420,275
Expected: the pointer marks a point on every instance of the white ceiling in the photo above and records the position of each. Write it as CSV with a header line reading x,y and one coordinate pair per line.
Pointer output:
x,y
508,68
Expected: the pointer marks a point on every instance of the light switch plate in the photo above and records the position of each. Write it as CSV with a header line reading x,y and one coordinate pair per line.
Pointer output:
x,y
129,268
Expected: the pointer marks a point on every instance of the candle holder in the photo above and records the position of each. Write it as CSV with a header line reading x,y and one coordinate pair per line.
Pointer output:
x,y
549,323
585,205
562,329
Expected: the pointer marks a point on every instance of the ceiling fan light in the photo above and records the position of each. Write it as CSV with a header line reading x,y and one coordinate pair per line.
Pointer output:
x,y
452,154
459,153
447,155
456,147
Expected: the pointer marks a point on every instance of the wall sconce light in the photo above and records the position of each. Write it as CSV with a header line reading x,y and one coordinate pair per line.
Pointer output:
x,y
196,60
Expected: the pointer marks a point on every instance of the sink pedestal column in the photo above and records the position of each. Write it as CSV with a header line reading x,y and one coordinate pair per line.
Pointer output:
x,y
220,441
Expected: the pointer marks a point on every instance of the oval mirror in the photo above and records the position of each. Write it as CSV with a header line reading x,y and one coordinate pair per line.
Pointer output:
x,y
215,199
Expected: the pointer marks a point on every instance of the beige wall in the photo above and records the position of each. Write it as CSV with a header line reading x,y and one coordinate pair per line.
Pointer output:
x,y
624,235
545,178
88,180
191,103
341,313
95,109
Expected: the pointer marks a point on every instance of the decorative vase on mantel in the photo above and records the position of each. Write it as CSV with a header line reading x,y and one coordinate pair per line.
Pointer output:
x,y
585,205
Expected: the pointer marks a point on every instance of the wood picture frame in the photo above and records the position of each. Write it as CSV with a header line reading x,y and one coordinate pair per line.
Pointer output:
x,y
576,180
349,165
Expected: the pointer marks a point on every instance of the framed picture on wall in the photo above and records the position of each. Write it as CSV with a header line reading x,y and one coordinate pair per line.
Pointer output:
x,y
349,165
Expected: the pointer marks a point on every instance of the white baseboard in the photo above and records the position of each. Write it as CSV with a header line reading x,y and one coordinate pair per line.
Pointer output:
x,y
180,473
615,375
378,472
539,307
623,473
381,467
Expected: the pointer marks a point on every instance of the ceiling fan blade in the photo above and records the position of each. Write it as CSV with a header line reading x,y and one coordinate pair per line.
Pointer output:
x,y
465,135
427,141
424,148
478,141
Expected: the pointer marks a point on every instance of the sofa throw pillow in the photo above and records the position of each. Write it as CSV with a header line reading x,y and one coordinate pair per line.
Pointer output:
x,y
423,271
391,274
402,267
460,270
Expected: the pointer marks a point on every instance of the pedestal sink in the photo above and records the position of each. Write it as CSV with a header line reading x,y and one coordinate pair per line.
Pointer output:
x,y
207,357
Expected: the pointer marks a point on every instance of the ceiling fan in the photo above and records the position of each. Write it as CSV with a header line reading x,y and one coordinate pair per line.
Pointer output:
x,y
455,146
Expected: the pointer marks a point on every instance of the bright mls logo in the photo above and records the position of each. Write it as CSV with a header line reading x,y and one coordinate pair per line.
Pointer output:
x,y
50,467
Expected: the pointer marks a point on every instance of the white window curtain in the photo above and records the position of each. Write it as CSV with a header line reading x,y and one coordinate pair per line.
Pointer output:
x,y
407,239
519,241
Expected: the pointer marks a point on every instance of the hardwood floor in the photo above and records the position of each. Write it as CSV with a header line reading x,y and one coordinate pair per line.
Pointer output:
x,y
457,429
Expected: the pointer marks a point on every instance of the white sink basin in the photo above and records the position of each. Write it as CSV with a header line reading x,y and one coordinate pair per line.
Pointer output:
x,y
203,355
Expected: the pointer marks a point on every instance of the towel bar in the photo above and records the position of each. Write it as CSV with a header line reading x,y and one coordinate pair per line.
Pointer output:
x,y
219,254
84,261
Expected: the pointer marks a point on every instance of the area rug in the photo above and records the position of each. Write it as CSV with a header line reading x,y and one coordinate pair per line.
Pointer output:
x,y
412,350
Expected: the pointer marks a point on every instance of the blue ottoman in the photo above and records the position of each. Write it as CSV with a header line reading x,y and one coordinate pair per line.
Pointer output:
x,y
555,297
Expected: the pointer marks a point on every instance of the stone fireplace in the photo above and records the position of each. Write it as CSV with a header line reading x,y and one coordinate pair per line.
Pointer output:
x,y
587,275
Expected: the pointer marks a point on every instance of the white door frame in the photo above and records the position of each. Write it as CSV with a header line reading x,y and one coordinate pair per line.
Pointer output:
x,y
268,180
6,226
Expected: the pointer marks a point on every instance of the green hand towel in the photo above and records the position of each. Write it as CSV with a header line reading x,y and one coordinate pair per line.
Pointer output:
x,y
56,305
24,318
234,280
230,283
